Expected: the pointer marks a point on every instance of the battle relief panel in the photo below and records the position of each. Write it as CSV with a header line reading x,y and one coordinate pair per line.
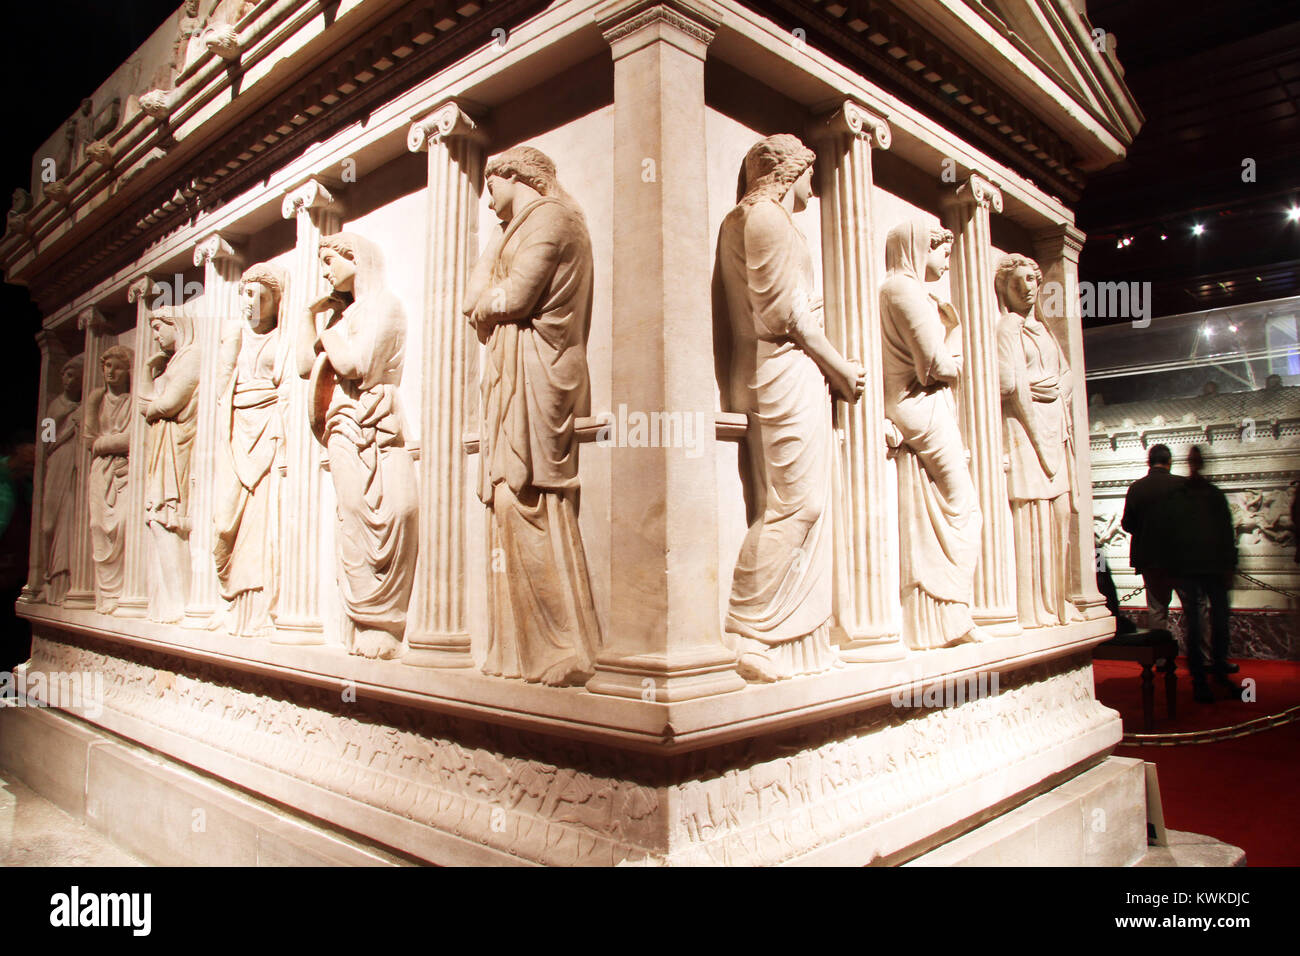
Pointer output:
x,y
453,413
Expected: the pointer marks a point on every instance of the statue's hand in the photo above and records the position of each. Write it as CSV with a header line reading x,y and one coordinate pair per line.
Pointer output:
x,y
326,303
848,382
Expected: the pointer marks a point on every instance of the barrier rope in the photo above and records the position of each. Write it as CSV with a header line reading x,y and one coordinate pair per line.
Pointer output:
x,y
1243,729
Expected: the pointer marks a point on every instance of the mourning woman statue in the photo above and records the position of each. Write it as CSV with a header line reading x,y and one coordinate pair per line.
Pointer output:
x,y
529,298
171,412
250,449
352,343
59,494
780,607
107,432
1036,401
938,511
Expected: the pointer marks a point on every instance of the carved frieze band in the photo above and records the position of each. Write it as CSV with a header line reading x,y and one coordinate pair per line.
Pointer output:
x,y
619,20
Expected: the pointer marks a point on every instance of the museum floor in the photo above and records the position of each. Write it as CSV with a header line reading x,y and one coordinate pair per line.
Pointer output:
x,y
1244,791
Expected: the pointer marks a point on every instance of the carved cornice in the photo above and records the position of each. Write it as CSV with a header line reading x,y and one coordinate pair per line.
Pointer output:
x,y
303,198
213,248
853,119
977,191
693,18
448,121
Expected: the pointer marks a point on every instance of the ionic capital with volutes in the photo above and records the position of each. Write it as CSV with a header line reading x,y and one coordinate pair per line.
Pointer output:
x,y
853,119
448,121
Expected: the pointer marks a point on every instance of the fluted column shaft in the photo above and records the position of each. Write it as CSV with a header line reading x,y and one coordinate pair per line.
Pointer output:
x,y
1057,251
866,602
437,630
967,213
53,355
81,591
221,271
135,601
298,612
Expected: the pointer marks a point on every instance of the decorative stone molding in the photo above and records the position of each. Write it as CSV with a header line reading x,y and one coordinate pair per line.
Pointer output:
x,y
100,152
678,22
157,104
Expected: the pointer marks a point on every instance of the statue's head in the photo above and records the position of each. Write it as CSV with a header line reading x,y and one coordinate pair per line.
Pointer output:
x,y
72,373
351,263
1195,461
261,289
919,250
1017,282
774,166
522,165
115,364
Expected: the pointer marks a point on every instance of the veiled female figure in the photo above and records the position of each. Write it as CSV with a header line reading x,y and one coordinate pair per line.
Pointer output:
x,y
529,299
171,412
107,432
781,591
250,451
938,510
352,344
1036,399
59,492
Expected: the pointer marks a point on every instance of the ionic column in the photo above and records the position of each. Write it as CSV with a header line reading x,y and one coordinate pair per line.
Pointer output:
x,y
81,590
437,630
221,271
664,640
966,212
135,594
1057,251
53,355
298,612
866,603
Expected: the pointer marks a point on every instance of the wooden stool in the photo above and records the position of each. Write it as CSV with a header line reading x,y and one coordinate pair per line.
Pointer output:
x,y
1146,648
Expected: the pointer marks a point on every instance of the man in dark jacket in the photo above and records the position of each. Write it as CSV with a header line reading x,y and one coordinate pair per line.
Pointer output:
x,y
1144,496
1198,543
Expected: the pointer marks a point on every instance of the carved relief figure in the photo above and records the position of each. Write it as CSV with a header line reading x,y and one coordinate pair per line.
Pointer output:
x,y
171,411
938,511
529,298
250,451
352,344
107,432
60,486
780,608
1037,397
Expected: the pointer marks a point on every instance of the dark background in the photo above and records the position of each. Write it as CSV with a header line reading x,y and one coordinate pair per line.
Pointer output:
x,y
1218,80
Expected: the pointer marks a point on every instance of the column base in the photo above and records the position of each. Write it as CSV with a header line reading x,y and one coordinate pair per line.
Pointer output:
x,y
198,618
999,625
452,651
873,650
655,678
132,607
80,599
1091,606
292,632
28,595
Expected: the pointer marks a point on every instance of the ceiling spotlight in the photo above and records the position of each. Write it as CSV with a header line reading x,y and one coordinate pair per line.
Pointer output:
x,y
1232,328
1197,229
1119,243
1163,236
1209,332
1293,213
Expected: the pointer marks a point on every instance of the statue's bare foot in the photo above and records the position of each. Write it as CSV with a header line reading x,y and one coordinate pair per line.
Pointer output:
x,y
376,644
757,669
564,674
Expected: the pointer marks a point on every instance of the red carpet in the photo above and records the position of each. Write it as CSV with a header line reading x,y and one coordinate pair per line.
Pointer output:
x,y
1244,791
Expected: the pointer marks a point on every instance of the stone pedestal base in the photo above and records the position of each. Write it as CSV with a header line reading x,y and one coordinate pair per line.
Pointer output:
x,y
897,760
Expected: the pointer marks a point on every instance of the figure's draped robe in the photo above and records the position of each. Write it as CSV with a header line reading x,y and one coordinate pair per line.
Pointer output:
x,y
246,520
107,415
170,445
376,537
1035,385
938,510
59,496
535,385
781,588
